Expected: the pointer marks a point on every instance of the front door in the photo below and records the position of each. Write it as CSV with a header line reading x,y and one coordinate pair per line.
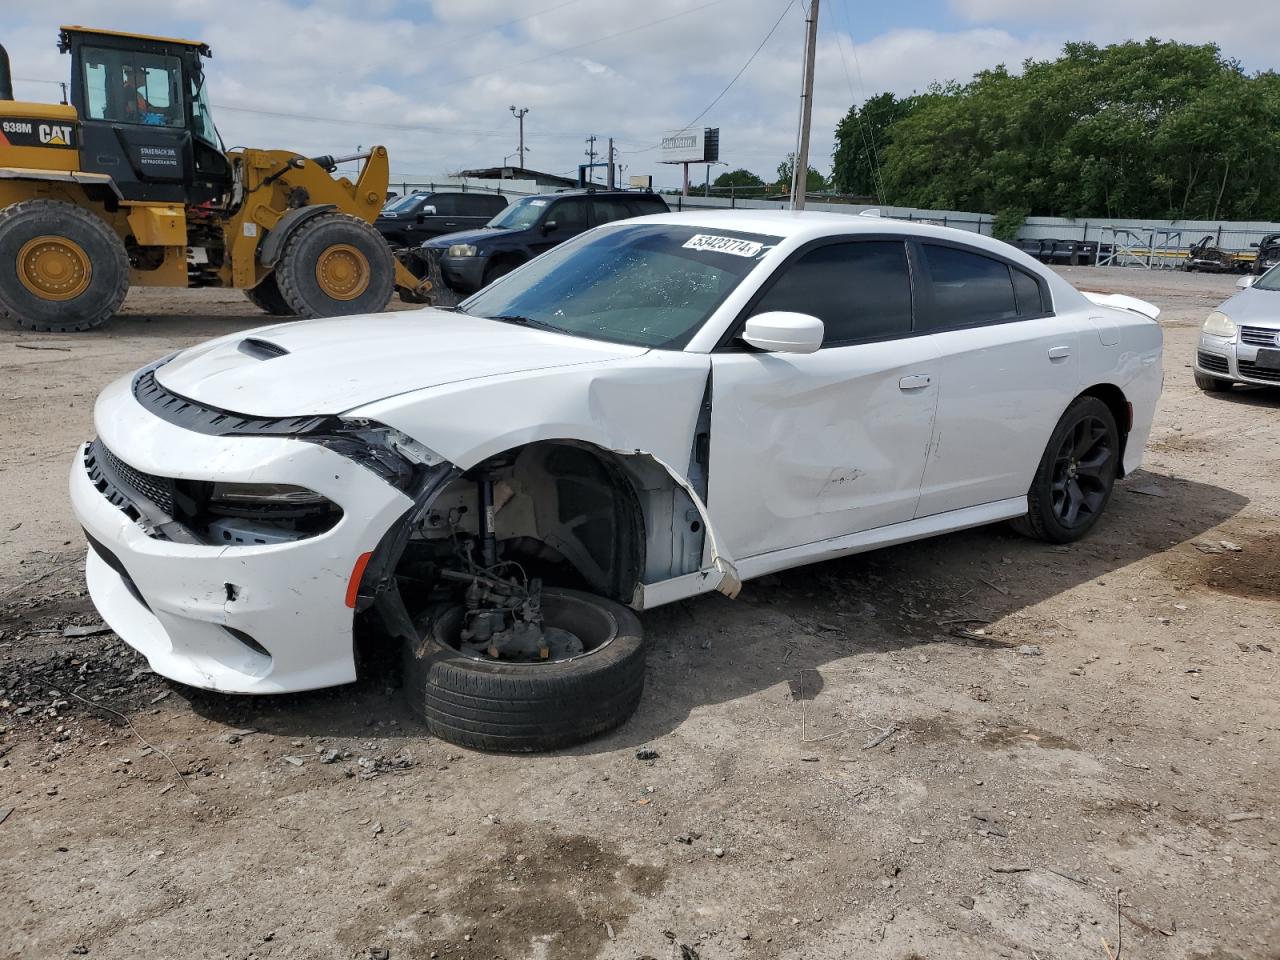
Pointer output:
x,y
807,447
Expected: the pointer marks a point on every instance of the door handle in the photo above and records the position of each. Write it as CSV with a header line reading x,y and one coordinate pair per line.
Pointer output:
x,y
916,381
451,223
1059,353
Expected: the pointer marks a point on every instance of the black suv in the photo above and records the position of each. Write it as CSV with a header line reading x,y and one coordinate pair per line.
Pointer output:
x,y
469,260
407,221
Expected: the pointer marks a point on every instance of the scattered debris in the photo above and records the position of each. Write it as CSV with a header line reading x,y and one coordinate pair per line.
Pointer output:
x,y
1148,490
4,813
647,753
296,761
1009,868
87,630
1029,650
966,902
880,737
1234,817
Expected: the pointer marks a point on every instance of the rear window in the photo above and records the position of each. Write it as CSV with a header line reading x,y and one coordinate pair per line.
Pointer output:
x,y
647,204
965,289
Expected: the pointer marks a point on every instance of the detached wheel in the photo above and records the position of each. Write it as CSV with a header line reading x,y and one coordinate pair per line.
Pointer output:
x,y
1076,474
62,269
511,706
1211,384
267,296
334,265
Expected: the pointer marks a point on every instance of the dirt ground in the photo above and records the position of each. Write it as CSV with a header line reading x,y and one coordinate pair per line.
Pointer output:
x,y
858,759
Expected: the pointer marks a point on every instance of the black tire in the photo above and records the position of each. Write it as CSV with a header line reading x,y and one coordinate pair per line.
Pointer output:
x,y
1212,384
499,268
296,270
267,296
522,707
107,279
1076,475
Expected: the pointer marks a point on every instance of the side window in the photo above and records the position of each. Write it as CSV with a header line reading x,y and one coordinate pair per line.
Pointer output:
x,y
1028,293
446,204
130,87
645,206
607,210
859,290
964,289
569,215
478,205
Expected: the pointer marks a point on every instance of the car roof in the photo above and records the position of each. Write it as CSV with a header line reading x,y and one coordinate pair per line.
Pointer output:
x,y
804,225
586,192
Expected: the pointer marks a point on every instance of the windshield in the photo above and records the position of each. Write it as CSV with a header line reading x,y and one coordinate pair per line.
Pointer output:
x,y
401,204
521,214
1269,280
648,285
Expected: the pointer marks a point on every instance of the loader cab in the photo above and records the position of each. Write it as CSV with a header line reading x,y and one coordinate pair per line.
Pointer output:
x,y
144,115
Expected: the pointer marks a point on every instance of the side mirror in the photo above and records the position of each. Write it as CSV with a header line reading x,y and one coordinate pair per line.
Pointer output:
x,y
1253,244
427,211
550,226
1244,283
781,331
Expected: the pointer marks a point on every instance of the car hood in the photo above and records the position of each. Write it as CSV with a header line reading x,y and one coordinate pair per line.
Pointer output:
x,y
478,236
1251,306
332,365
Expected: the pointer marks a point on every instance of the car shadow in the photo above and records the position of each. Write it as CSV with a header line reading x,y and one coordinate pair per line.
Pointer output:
x,y
1249,394
784,628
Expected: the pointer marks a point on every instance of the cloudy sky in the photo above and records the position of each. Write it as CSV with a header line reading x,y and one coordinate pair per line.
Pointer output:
x,y
433,79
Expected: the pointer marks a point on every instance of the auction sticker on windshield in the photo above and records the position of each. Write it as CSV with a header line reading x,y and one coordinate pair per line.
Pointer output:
x,y
719,244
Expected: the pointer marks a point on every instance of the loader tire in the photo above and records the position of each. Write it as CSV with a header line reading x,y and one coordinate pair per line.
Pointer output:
x,y
333,265
62,269
267,296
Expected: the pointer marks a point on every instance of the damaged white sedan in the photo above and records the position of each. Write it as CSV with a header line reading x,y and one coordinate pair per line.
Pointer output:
x,y
659,408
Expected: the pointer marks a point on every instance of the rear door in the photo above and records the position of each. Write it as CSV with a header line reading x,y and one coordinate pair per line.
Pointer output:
x,y
806,447
1009,367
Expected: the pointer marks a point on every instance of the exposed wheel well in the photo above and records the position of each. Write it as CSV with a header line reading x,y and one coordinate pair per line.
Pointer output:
x,y
1119,406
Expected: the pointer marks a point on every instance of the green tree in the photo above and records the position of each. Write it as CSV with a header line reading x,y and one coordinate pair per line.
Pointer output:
x,y
739,178
1136,129
862,136
814,181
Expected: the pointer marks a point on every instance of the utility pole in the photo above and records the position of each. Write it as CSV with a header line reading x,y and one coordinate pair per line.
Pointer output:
x,y
519,115
591,158
800,176
612,179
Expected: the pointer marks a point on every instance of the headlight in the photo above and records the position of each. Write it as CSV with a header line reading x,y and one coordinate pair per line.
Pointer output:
x,y
462,250
264,495
1219,324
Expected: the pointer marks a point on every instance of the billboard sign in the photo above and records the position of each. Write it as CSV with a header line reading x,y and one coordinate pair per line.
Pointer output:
x,y
683,146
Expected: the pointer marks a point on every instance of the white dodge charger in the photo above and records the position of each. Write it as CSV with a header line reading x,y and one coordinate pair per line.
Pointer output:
x,y
659,408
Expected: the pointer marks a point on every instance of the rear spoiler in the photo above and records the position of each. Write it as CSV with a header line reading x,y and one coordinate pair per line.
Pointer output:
x,y
1120,302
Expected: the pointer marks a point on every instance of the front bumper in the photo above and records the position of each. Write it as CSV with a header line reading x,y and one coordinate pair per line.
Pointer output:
x,y
1231,359
262,618
463,274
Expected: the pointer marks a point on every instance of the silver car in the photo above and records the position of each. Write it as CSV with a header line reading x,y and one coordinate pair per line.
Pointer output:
x,y
1240,341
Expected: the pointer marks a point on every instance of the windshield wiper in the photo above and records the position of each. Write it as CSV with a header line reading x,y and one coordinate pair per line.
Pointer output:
x,y
526,322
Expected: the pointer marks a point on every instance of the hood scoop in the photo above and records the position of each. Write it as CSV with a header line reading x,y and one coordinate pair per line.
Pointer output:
x,y
260,349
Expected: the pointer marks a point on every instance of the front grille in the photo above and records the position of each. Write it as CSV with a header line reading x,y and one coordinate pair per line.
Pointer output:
x,y
1209,361
1260,336
126,487
1254,372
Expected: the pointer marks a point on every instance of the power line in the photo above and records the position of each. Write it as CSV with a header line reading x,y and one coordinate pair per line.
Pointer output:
x,y
873,155
729,85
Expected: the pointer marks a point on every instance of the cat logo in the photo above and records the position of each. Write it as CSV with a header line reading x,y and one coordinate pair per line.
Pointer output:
x,y
55,136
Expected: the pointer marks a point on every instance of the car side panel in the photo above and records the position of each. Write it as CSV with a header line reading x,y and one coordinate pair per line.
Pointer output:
x,y
1133,364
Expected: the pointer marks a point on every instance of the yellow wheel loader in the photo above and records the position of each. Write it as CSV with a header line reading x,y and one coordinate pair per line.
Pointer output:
x,y
129,185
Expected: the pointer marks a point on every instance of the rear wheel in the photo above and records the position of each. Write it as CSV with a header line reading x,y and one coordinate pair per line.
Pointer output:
x,y
62,269
267,296
513,706
334,265
1076,474
1211,384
